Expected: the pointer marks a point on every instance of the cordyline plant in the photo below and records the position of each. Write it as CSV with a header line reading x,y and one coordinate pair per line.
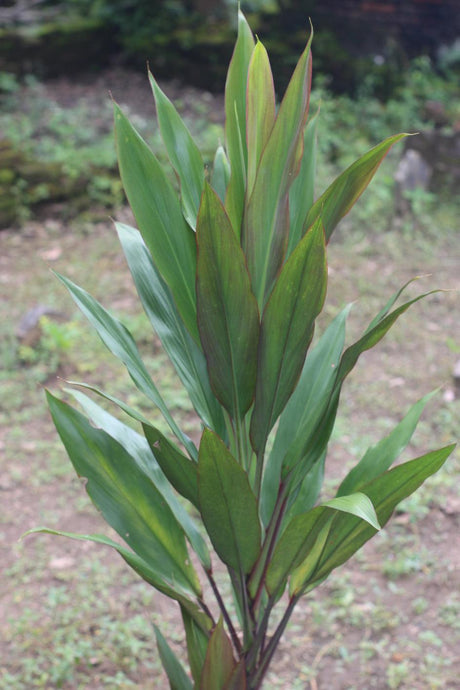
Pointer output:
x,y
232,274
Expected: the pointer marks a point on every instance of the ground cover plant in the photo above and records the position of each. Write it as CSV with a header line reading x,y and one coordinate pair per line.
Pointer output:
x,y
283,492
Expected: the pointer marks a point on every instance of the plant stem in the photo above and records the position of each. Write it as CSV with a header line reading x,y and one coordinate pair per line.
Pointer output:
x,y
269,651
225,614
205,608
240,588
258,641
258,575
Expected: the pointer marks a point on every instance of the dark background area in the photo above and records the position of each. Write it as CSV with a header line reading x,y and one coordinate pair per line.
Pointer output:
x,y
192,39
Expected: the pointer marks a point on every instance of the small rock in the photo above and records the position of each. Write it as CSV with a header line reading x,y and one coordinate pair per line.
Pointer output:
x,y
62,563
436,112
449,395
51,254
396,382
456,373
451,505
28,331
413,172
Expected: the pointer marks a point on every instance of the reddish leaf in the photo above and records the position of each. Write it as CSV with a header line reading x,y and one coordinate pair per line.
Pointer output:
x,y
266,224
342,194
219,663
228,319
287,329
260,110
228,505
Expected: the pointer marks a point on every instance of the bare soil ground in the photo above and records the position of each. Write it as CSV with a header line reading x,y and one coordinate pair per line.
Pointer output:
x,y
73,616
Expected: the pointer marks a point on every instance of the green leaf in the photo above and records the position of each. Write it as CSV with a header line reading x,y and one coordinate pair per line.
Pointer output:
x,y
349,533
303,538
219,664
343,193
266,220
357,504
302,192
372,336
130,411
228,318
138,448
385,310
186,356
306,405
178,679
379,458
260,110
310,452
139,566
287,329
119,341
197,644
220,173
180,471
182,151
235,122
127,498
304,452
306,529
157,209
305,497
228,505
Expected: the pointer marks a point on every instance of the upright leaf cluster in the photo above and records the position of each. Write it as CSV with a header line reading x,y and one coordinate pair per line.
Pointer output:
x,y
232,274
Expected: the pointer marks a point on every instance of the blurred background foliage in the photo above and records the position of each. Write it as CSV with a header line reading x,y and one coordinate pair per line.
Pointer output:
x,y
379,67
355,42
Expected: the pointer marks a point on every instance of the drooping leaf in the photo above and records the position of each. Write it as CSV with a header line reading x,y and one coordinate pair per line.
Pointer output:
x,y
178,679
348,533
228,505
119,341
379,458
260,110
181,472
140,567
302,191
138,448
287,329
219,664
235,122
158,213
228,318
266,220
197,644
357,504
126,497
182,152
306,405
304,531
186,356
220,173
343,193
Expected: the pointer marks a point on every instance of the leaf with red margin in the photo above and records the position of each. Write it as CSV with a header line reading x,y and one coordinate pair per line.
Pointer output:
x,y
228,318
